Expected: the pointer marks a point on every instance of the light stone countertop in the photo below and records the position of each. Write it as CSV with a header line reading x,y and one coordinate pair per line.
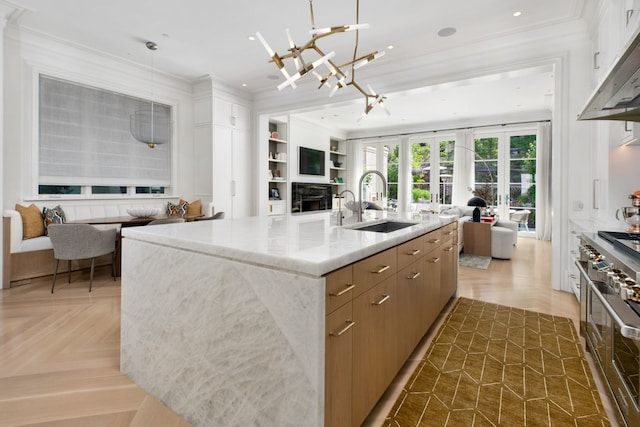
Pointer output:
x,y
309,244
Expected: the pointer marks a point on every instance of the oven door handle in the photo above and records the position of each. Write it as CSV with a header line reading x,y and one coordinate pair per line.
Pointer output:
x,y
626,330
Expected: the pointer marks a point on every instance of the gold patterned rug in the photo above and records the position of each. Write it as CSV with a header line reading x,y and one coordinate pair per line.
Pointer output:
x,y
492,365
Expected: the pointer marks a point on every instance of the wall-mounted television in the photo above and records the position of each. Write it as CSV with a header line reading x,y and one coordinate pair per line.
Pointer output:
x,y
310,161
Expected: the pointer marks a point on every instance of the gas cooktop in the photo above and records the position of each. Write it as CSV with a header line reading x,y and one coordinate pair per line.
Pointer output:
x,y
626,242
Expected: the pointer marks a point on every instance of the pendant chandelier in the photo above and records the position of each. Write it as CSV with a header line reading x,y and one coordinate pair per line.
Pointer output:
x,y
340,75
151,124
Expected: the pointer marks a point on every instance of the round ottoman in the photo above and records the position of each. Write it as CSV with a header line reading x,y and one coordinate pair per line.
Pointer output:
x,y
501,242
512,225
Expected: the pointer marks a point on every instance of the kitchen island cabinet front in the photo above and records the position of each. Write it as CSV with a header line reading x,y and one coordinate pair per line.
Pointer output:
x,y
224,339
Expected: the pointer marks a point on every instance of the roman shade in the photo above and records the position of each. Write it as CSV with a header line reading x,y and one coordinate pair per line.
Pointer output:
x,y
84,138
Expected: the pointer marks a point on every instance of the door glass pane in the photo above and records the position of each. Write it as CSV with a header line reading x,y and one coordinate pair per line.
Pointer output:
x,y
383,158
392,177
522,187
486,165
447,151
421,175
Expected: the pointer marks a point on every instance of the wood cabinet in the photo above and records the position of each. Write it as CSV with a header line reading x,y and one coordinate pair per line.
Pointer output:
x,y
338,366
374,346
477,238
378,309
411,282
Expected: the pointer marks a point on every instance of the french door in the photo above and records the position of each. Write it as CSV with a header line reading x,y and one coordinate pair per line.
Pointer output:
x,y
432,160
505,171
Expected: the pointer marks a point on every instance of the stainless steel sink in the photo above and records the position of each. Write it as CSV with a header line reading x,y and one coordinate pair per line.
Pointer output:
x,y
385,226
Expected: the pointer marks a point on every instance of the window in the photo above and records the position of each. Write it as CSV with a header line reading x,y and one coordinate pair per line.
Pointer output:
x,y
85,143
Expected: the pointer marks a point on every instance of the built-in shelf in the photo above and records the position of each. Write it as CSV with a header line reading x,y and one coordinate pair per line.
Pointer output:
x,y
338,154
277,165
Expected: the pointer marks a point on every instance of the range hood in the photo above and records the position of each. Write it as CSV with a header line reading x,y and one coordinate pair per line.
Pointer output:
x,y
618,97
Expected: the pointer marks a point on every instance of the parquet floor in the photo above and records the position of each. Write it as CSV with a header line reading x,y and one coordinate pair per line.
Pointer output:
x,y
59,354
60,358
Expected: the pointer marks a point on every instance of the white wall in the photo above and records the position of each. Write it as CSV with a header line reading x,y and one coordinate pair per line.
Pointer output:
x,y
305,134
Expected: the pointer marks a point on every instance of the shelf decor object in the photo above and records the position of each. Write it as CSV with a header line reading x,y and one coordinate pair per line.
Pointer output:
x,y
316,58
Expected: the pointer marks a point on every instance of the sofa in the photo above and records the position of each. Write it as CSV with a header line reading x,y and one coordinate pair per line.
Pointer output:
x,y
502,245
25,259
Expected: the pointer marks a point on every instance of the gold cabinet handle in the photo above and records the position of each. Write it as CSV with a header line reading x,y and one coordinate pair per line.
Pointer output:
x,y
414,277
414,252
449,249
342,292
382,301
435,260
449,233
434,241
382,270
348,326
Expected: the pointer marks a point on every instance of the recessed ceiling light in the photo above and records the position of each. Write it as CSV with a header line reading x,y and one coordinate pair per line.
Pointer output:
x,y
252,38
390,46
518,13
244,85
446,32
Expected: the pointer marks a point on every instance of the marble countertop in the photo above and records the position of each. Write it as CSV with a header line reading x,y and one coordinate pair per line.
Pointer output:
x,y
310,244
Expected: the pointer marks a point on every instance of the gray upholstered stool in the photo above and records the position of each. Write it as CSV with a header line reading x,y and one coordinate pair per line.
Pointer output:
x,y
501,242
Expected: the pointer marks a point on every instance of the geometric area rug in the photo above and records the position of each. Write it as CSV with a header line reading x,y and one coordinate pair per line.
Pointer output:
x,y
492,365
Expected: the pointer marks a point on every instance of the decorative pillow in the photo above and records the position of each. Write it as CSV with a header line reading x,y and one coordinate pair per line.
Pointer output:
x,y
32,225
177,208
193,208
53,216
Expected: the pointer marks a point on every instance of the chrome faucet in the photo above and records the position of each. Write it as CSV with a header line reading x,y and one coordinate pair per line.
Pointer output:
x,y
340,205
384,186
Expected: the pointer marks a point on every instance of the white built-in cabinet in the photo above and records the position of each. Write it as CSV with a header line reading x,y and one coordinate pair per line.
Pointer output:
x,y
619,21
232,159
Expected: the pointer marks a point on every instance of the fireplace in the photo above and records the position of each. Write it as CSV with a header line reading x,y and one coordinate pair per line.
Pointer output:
x,y
309,197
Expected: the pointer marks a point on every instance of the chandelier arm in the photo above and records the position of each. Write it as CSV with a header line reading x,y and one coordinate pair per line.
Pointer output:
x,y
313,25
355,47
353,62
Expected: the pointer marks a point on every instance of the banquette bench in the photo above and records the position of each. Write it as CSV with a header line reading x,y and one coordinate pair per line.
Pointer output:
x,y
26,259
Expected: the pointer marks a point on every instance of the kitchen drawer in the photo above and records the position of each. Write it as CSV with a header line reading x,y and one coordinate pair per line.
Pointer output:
x,y
432,240
340,288
410,252
449,232
373,270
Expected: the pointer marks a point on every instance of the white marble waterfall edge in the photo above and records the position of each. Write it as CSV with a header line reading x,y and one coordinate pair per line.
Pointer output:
x,y
221,342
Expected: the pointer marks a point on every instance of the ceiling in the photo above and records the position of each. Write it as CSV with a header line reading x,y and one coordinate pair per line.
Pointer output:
x,y
204,37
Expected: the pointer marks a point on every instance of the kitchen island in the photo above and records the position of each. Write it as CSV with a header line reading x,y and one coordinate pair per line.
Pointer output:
x,y
225,321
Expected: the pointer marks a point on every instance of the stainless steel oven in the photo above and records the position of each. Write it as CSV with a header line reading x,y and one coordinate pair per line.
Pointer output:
x,y
610,320
625,374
